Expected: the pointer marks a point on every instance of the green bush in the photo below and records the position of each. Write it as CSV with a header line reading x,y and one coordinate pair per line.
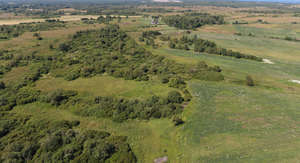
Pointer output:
x,y
164,80
177,82
64,47
177,121
27,95
44,141
58,97
72,75
175,97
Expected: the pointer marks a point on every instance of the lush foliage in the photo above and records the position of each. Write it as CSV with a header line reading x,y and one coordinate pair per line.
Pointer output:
x,y
108,50
193,20
24,139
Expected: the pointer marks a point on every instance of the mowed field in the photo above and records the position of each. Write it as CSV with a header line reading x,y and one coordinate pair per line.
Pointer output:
x,y
230,122
226,121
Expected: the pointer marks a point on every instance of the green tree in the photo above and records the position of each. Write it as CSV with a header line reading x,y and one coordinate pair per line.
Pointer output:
x,y
172,45
177,121
2,85
249,81
175,97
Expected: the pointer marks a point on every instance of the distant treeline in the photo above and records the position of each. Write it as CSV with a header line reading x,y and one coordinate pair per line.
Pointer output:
x,y
10,31
192,20
206,46
101,19
264,11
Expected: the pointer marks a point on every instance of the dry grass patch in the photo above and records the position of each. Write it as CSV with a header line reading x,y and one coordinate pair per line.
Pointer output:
x,y
15,75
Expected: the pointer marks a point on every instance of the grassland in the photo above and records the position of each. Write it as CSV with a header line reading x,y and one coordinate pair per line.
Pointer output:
x,y
225,121
230,122
106,86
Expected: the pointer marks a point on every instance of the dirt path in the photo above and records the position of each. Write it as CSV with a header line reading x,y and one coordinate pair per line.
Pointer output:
x,y
268,61
161,159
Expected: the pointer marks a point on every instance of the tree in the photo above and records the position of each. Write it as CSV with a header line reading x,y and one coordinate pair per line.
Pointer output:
x,y
51,46
36,35
175,97
249,81
176,82
172,45
64,47
164,80
119,19
177,121
2,85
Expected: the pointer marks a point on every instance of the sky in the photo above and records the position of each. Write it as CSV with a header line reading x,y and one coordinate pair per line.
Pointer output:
x,y
283,1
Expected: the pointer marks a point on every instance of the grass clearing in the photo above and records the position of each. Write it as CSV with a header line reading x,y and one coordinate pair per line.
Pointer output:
x,y
15,75
106,86
229,124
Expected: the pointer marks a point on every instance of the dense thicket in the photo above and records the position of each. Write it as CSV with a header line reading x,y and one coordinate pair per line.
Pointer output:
x,y
200,45
23,139
123,109
193,20
149,37
108,50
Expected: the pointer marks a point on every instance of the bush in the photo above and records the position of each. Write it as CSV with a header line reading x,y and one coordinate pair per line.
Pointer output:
x,y
72,75
2,85
177,121
36,35
27,95
176,82
216,69
58,97
64,47
175,97
164,80
249,81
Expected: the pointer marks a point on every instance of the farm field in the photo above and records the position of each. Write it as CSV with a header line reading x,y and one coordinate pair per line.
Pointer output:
x,y
150,87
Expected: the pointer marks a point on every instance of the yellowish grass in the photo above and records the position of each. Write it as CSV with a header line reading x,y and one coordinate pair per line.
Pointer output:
x,y
62,18
15,75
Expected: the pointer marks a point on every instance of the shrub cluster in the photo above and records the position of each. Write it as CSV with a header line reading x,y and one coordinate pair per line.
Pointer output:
x,y
123,109
23,139
149,37
192,20
206,46
110,50
10,31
